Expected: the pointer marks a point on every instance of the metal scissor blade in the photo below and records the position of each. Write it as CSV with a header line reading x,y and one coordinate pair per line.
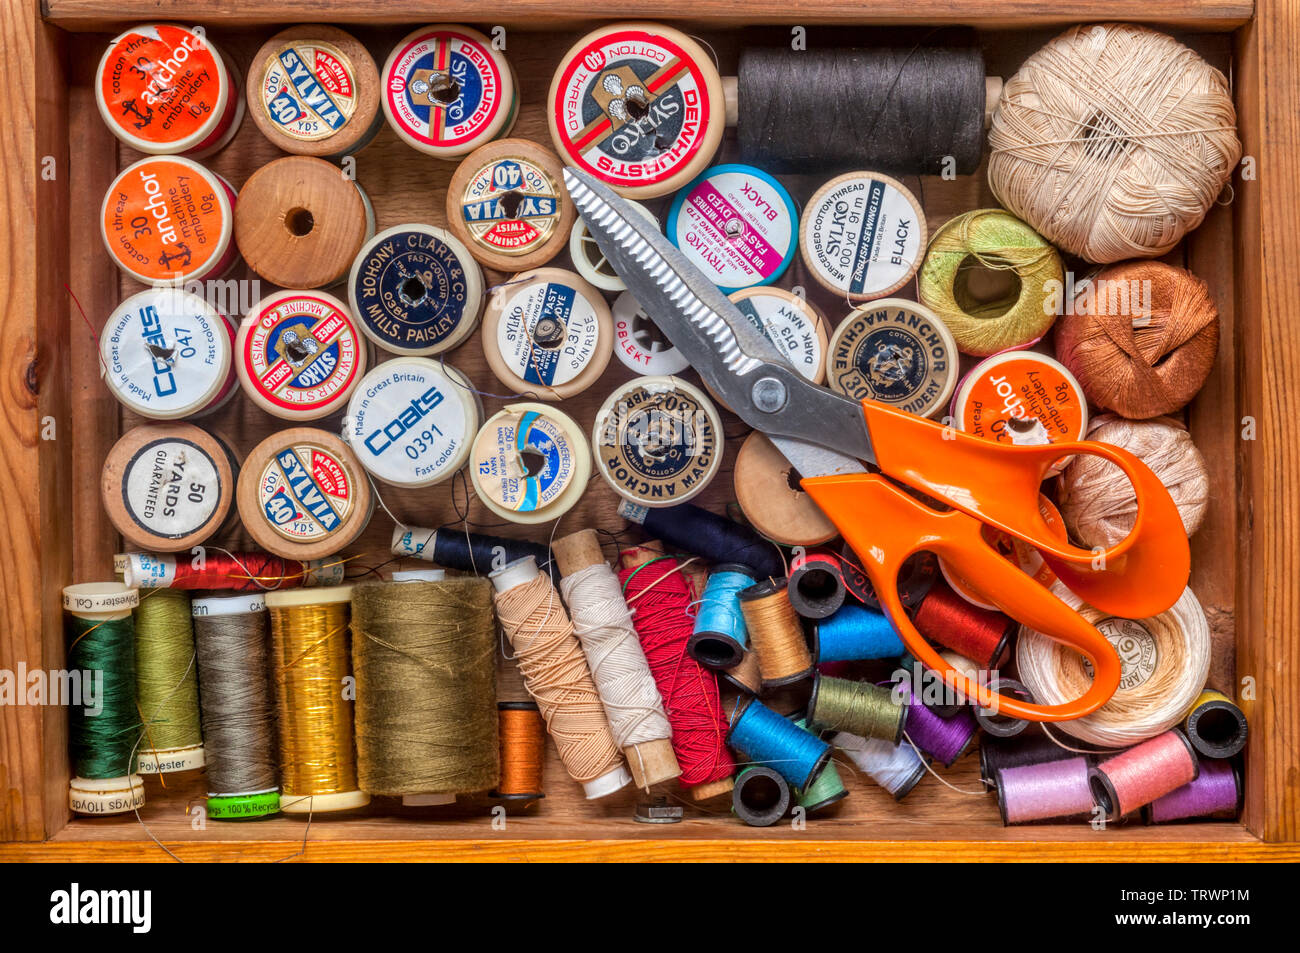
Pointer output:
x,y
735,358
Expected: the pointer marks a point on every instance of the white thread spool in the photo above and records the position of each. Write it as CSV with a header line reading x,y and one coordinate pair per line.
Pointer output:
x,y
591,261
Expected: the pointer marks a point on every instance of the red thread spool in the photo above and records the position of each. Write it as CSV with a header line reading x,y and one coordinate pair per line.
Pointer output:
x,y
660,595
949,620
1140,775
243,572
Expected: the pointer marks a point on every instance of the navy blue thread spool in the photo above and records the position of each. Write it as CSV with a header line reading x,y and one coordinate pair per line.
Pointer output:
x,y
761,796
469,552
693,529
817,585
855,634
996,723
766,738
720,638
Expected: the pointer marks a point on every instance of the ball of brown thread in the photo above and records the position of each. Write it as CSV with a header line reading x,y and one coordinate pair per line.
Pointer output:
x,y
1136,363
1097,501
1113,141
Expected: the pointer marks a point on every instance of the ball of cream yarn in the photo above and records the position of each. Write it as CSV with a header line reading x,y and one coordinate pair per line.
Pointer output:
x,y
1113,141
1096,499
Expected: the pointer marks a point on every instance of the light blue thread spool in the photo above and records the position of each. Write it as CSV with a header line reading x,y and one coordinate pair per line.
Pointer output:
x,y
720,637
764,737
855,634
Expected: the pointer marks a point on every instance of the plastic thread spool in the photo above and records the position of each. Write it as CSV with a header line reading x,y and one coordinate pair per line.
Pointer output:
x,y
523,752
595,267
817,585
853,633
448,90
313,90
96,614
761,796
303,495
768,490
914,579
1051,789
768,738
1216,792
530,464
737,224
896,768
824,790
300,222
166,220
994,722
508,204
639,343
638,105
167,689
775,633
896,352
860,708
232,675
547,334
791,323
1022,398
862,235
1215,726
415,289
657,441
1030,747
164,89
933,690
238,572
411,422
720,638
693,529
168,487
943,737
299,355
166,354
983,635
309,656
469,552
1142,774
745,674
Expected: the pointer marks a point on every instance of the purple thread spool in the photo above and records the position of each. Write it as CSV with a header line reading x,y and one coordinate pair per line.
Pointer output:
x,y
1216,791
944,739
1037,792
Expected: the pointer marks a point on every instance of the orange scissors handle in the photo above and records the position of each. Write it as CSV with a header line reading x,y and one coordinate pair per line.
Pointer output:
x,y
885,526
1139,577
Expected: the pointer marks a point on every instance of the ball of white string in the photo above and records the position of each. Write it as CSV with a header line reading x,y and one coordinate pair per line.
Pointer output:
x,y
603,624
1055,673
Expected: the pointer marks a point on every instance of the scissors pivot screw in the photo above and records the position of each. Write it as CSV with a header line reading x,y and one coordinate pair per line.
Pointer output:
x,y
769,395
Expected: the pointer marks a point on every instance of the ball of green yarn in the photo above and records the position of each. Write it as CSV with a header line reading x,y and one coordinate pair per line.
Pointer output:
x,y
998,241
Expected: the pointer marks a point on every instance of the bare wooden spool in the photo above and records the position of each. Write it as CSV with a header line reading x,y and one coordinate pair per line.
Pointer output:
x,y
696,576
768,492
652,762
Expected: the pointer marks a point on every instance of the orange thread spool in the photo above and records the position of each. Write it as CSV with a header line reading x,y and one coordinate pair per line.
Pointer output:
x,y
523,751
775,633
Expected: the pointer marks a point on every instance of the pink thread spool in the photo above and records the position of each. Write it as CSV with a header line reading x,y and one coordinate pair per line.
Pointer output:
x,y
1140,775
1037,792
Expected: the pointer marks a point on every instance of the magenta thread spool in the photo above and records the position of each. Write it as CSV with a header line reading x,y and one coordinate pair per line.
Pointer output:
x,y
1038,792
817,585
1216,792
1136,777
1031,747
996,723
944,739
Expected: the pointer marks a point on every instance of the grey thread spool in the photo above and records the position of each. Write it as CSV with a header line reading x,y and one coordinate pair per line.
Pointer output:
x,y
235,703
997,724
902,109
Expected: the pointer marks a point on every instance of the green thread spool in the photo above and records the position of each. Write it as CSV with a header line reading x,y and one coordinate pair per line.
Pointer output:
x,y
860,708
167,684
827,788
103,724
999,242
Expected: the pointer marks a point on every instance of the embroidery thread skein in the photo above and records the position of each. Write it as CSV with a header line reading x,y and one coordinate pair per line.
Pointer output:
x,y
167,683
659,594
556,674
603,625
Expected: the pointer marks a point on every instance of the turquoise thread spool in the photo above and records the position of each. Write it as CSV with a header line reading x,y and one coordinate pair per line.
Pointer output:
x,y
720,637
855,634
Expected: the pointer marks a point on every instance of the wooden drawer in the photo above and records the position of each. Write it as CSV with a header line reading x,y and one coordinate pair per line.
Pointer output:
x,y
58,422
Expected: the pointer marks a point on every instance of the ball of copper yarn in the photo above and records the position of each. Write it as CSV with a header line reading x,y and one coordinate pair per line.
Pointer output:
x,y
1145,340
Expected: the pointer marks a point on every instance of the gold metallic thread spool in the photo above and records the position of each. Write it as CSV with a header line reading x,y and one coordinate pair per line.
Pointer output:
x,y
311,673
775,633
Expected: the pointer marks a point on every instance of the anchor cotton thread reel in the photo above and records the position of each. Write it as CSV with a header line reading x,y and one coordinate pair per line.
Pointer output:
x,y
164,89
302,494
300,222
167,220
447,90
896,352
1215,726
166,354
1134,778
638,105
767,489
314,721
100,637
547,334
737,224
299,355
657,441
313,90
862,235
232,642
168,487
1127,128
166,680
1001,243
591,261
530,464
791,323
415,289
507,203
639,343
411,422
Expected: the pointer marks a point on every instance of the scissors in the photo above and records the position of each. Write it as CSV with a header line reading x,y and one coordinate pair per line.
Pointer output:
x,y
831,440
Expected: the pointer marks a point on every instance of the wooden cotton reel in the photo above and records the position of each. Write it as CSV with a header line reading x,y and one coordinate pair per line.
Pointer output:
x,y
313,90
300,222
767,489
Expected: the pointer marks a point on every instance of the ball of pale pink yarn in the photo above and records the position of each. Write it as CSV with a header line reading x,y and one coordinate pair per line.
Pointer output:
x,y
1096,499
